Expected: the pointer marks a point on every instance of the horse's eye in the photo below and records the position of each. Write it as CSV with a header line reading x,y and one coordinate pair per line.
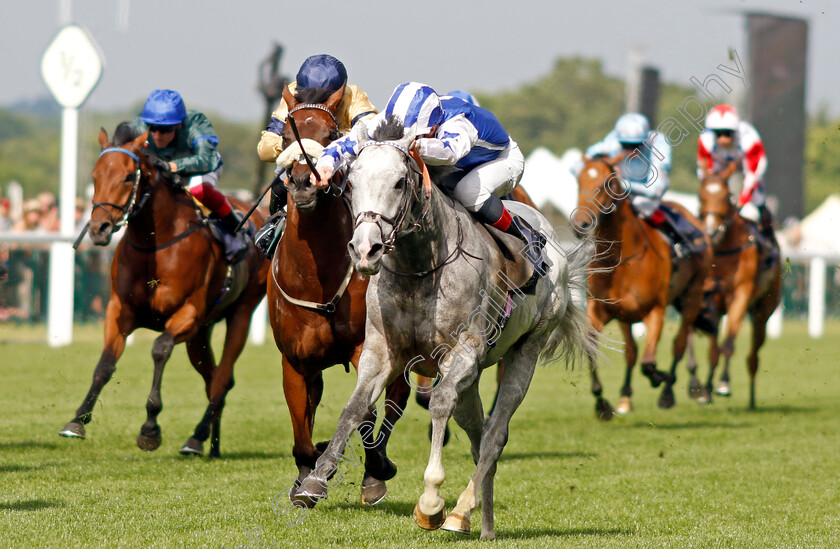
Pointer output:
x,y
129,178
400,184
334,135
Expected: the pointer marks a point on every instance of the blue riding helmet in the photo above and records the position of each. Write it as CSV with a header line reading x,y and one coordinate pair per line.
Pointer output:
x,y
322,71
465,96
164,108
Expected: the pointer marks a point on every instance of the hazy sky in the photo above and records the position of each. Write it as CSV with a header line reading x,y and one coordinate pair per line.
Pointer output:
x,y
209,49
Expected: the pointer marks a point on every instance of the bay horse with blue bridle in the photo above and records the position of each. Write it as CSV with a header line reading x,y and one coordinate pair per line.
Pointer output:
x,y
633,278
316,299
746,278
168,275
446,299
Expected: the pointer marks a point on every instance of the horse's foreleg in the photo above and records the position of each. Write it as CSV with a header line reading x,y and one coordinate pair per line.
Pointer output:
x,y
734,319
469,415
118,324
378,467
201,357
603,410
461,373
374,374
296,389
517,378
625,405
653,324
695,388
760,314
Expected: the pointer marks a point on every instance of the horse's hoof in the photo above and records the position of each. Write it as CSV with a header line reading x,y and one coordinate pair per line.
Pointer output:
x,y
321,447
695,390
427,522
192,447
723,389
705,397
625,406
373,491
655,376
73,429
310,491
603,410
666,400
456,523
149,441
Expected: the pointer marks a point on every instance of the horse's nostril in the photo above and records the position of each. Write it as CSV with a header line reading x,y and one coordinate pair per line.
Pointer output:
x,y
375,249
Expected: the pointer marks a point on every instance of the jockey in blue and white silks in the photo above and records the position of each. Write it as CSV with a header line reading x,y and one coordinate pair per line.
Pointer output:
x,y
450,131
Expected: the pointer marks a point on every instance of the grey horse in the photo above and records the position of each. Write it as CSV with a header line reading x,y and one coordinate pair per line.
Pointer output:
x,y
445,304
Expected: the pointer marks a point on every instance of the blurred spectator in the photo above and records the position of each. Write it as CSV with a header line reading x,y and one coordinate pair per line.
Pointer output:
x,y
49,212
5,215
31,220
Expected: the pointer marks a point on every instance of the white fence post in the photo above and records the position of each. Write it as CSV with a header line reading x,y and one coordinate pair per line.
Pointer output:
x,y
774,323
816,297
258,323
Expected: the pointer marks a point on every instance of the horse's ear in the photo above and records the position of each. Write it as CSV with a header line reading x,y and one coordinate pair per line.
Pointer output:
x,y
361,133
138,142
730,169
103,139
333,100
289,98
408,136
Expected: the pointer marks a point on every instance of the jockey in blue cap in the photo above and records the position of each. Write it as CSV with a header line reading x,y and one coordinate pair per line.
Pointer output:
x,y
323,72
184,142
449,131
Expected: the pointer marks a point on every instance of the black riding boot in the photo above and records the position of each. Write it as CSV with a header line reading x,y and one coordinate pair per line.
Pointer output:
x,y
681,246
269,235
231,221
765,223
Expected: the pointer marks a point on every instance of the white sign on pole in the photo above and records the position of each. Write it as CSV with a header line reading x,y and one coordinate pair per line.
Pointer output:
x,y
71,67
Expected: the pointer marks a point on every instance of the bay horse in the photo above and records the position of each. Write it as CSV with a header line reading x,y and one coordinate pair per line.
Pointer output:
x,y
316,300
632,278
168,275
746,278
432,306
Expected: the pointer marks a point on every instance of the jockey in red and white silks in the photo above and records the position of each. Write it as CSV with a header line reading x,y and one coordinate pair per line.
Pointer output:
x,y
729,139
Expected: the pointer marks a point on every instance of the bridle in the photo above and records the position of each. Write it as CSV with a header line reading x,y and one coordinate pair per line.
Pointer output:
x,y
728,219
416,174
419,176
127,209
338,190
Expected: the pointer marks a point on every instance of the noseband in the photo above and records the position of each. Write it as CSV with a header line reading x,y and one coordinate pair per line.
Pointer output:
x,y
338,190
420,173
128,207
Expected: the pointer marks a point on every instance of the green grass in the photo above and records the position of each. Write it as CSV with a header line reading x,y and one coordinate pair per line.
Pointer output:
x,y
710,476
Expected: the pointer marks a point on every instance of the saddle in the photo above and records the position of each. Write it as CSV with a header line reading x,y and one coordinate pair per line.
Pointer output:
x,y
517,267
692,237
235,247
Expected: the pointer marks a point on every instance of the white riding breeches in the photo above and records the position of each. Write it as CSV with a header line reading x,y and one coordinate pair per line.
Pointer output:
x,y
499,176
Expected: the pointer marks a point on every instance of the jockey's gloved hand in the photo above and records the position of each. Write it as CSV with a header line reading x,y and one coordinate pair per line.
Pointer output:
x,y
161,165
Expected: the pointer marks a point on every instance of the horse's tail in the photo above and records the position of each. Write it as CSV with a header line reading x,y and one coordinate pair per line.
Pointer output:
x,y
573,338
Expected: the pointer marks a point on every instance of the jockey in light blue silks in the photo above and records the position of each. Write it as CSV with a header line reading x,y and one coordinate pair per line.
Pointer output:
x,y
646,168
449,131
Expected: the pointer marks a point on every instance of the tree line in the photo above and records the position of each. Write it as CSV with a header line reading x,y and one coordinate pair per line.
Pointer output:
x,y
574,105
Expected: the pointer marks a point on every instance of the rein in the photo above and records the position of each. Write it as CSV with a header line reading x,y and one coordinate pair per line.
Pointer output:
x,y
338,190
419,168
132,207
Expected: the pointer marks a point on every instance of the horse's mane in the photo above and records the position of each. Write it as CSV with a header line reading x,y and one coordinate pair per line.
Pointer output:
x,y
390,129
124,133
318,96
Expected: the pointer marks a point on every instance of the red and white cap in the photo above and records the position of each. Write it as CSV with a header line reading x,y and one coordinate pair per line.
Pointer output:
x,y
722,117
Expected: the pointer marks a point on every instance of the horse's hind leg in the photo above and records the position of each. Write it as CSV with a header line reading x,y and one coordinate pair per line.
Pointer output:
x,y
116,330
378,467
695,388
625,405
760,314
201,357
222,376
149,437
603,410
